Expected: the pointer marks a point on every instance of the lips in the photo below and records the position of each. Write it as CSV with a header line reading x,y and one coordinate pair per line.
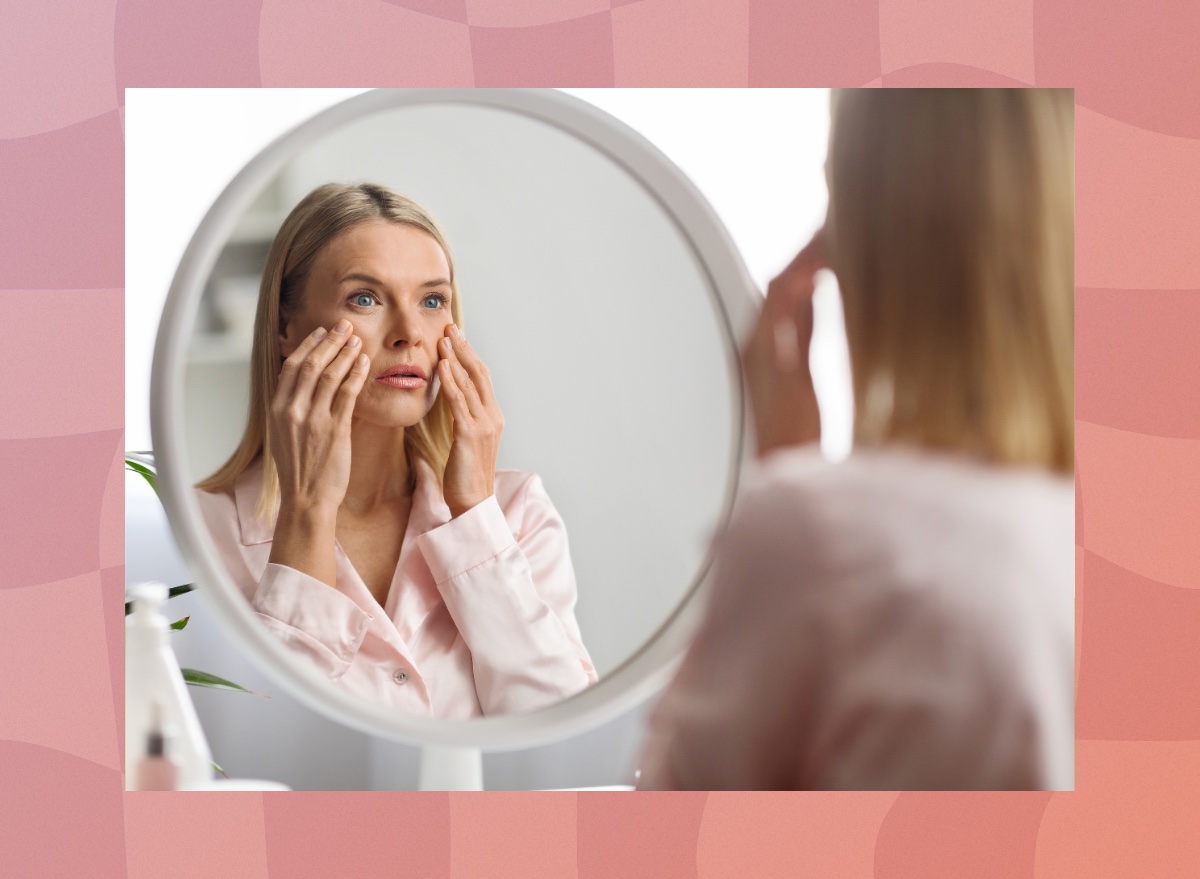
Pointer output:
x,y
403,376
408,369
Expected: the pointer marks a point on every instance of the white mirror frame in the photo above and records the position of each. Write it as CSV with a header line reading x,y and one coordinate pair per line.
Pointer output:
x,y
734,299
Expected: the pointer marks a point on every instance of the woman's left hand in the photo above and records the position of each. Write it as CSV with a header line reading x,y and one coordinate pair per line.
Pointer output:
x,y
470,476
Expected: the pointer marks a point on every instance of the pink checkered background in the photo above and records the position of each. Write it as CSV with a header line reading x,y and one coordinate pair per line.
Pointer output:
x,y
63,67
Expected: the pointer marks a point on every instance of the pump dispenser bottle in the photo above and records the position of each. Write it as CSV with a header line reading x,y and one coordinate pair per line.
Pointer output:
x,y
152,676
156,770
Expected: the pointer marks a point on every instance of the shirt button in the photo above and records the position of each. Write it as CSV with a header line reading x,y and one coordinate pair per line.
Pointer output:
x,y
400,676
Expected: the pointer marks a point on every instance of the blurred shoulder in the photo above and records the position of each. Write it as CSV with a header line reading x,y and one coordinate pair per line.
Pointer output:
x,y
899,508
883,485
787,488
782,523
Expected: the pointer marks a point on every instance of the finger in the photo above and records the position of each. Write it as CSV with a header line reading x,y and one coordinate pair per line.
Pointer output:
x,y
291,365
786,346
480,375
311,367
455,395
787,322
791,287
811,256
465,382
335,373
348,391
789,328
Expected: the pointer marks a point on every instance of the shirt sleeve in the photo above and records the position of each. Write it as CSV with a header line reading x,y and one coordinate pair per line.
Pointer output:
x,y
512,598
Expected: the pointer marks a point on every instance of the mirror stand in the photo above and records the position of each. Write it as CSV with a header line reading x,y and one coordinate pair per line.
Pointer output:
x,y
449,768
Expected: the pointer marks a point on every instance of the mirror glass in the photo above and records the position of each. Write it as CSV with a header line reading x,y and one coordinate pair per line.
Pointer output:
x,y
609,357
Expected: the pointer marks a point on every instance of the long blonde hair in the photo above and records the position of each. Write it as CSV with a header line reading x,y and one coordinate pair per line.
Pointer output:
x,y
951,232
321,216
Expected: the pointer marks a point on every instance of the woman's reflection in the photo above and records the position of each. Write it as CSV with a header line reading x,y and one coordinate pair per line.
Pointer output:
x,y
362,514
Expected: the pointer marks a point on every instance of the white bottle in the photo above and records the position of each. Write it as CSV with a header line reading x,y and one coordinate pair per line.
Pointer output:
x,y
156,769
152,675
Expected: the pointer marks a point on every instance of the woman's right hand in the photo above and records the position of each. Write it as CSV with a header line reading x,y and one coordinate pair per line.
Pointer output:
x,y
775,356
310,420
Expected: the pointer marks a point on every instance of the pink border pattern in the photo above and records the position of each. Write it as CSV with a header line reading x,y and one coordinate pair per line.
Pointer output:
x,y
62,75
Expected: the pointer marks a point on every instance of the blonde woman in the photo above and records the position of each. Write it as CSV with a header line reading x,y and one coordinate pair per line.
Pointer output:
x,y
904,619
362,514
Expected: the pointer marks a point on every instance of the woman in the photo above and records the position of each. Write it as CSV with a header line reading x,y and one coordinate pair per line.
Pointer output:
x,y
362,514
904,619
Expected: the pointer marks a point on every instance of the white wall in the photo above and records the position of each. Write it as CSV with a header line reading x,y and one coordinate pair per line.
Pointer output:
x,y
755,155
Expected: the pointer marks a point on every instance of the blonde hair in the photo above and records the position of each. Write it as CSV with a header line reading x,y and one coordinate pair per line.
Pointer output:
x,y
951,232
321,216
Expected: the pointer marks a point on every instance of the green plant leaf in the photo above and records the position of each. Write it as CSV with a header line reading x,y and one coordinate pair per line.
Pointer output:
x,y
179,624
145,472
219,769
204,679
171,593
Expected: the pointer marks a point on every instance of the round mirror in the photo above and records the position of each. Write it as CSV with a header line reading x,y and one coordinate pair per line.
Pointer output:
x,y
604,296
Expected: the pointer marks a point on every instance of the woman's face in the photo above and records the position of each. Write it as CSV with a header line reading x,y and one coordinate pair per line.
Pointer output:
x,y
392,282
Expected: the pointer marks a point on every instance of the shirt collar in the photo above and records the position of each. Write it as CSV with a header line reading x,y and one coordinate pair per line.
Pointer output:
x,y
428,510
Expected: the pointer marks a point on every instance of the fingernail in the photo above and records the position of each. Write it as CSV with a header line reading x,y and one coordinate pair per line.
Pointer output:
x,y
362,359
448,345
342,326
458,334
354,342
319,333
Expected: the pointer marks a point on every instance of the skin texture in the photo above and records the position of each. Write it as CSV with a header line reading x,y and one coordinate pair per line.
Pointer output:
x,y
337,433
775,356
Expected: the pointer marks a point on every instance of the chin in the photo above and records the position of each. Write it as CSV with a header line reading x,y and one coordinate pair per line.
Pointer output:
x,y
395,414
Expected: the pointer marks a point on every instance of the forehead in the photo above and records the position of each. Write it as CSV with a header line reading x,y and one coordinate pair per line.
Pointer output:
x,y
396,253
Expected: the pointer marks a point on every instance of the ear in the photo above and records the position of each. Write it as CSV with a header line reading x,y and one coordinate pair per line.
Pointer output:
x,y
286,343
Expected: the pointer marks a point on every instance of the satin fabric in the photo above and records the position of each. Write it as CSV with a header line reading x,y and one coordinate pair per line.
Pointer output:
x,y
895,621
479,619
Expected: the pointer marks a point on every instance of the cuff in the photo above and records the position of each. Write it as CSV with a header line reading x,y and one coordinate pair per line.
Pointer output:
x,y
477,536
317,609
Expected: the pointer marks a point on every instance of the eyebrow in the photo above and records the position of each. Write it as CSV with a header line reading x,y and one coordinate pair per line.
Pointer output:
x,y
371,279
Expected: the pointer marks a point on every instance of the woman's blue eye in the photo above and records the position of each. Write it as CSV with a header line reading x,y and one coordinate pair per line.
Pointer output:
x,y
437,300
358,298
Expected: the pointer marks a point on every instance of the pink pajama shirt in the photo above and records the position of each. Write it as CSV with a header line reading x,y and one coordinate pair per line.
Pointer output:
x,y
479,619
900,620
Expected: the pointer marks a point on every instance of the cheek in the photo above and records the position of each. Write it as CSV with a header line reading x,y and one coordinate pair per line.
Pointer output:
x,y
306,321
298,328
372,341
431,395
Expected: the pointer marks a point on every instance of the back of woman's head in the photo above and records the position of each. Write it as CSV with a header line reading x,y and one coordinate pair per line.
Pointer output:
x,y
951,232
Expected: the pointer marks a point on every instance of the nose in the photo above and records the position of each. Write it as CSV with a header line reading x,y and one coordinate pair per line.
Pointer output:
x,y
404,329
